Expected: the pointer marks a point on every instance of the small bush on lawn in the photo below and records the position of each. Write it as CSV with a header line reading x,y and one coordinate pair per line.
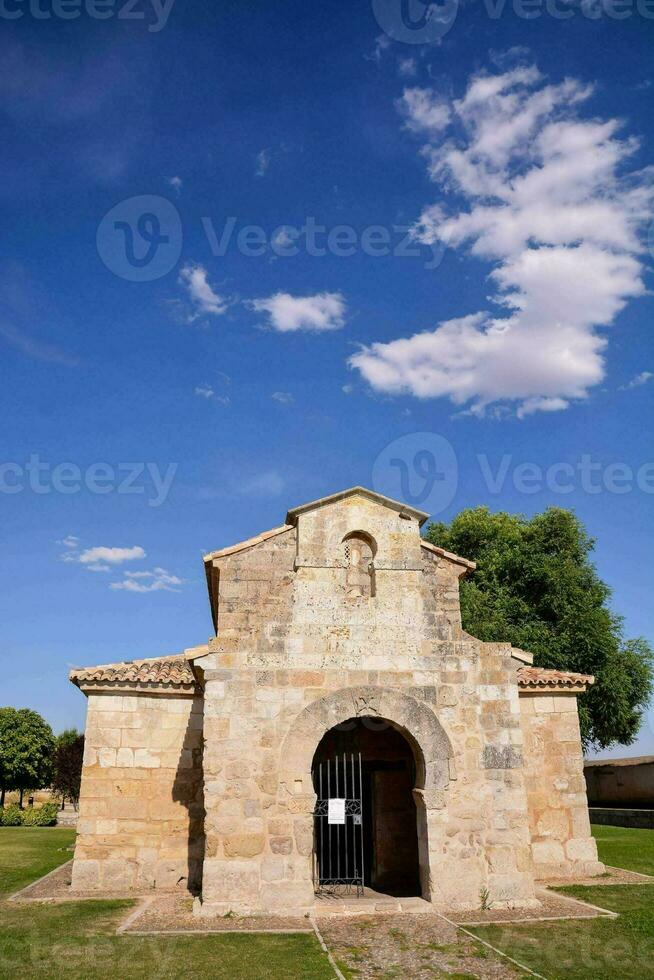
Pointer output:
x,y
44,816
12,816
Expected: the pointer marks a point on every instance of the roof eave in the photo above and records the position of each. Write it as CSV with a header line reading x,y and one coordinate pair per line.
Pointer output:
x,y
420,515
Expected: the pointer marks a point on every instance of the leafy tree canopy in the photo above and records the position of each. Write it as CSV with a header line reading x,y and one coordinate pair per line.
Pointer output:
x,y
68,757
26,749
536,587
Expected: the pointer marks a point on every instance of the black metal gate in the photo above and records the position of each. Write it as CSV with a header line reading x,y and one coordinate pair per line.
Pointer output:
x,y
338,826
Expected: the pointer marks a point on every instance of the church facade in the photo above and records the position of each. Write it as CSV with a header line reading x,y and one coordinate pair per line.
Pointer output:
x,y
339,730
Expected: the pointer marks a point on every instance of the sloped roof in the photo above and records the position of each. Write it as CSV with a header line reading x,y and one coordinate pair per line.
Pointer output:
x,y
420,515
469,565
232,549
636,760
173,673
539,678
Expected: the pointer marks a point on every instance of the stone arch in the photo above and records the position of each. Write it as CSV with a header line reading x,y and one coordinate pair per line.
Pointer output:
x,y
358,551
414,719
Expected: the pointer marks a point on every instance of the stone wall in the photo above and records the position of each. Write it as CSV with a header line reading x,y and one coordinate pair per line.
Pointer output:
x,y
562,845
140,820
297,654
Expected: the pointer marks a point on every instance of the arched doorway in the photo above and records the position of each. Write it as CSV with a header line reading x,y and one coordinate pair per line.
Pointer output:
x,y
371,838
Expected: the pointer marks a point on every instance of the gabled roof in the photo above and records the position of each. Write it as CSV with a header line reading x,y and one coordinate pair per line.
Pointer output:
x,y
173,674
541,679
419,515
232,549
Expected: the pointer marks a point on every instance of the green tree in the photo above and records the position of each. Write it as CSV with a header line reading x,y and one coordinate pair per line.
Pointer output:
x,y
536,587
26,750
67,765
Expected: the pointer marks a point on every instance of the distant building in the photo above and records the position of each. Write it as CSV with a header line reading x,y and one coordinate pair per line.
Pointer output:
x,y
625,783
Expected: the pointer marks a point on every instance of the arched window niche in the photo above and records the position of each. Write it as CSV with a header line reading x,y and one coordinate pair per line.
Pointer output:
x,y
359,549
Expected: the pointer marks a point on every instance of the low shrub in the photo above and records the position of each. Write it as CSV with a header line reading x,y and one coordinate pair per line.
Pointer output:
x,y
46,815
43,816
12,816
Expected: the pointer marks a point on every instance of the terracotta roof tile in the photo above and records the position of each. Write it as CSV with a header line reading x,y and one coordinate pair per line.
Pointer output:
x,y
168,672
538,678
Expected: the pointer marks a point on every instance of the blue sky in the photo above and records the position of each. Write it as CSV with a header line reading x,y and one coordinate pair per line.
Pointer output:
x,y
199,389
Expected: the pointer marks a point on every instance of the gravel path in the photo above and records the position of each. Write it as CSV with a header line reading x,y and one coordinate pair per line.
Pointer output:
x,y
409,946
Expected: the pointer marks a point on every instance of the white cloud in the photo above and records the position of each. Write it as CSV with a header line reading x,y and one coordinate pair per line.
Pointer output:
x,y
324,311
207,392
407,67
424,110
157,580
285,237
550,205
111,556
382,43
70,541
638,381
202,295
283,397
262,163
176,183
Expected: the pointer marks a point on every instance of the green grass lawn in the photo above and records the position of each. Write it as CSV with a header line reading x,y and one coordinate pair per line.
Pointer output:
x,y
624,848
76,941
619,949
27,853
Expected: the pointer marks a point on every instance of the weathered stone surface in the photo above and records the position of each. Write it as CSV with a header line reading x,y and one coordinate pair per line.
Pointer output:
x,y
341,614
502,757
562,845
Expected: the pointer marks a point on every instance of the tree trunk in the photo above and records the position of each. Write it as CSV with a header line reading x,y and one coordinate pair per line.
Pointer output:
x,y
2,796
20,801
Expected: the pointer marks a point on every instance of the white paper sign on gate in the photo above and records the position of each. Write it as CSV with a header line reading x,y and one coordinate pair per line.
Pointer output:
x,y
336,811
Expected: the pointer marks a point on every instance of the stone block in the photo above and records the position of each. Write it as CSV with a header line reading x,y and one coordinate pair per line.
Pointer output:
x,y
581,849
548,852
554,824
243,845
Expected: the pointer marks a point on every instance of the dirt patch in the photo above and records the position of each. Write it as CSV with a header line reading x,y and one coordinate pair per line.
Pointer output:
x,y
552,906
174,913
407,945
613,876
55,887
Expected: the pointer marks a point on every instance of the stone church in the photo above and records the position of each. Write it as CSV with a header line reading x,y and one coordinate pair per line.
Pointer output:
x,y
339,731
